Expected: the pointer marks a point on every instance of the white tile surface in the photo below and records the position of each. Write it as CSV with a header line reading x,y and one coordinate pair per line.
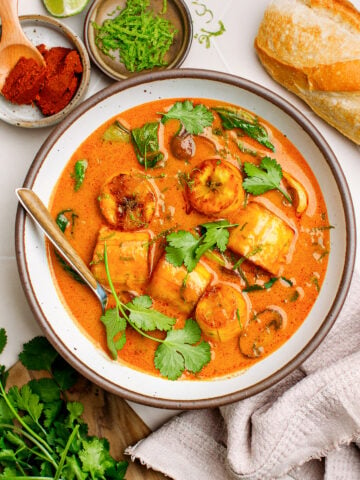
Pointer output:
x,y
232,53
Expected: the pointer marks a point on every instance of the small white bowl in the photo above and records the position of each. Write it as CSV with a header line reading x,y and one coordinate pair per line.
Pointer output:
x,y
54,317
52,33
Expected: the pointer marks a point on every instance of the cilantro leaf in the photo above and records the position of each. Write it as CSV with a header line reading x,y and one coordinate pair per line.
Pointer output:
x,y
3,339
75,409
217,235
115,326
193,119
181,249
178,351
38,354
46,389
95,457
184,248
6,414
265,177
72,470
27,401
146,318
79,173
64,375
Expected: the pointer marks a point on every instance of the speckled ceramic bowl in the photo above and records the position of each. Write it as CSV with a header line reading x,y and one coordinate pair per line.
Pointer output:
x,y
52,33
177,13
54,317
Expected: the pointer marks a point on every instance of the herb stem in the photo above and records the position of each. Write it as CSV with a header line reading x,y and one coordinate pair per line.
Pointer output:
x,y
288,198
65,451
32,438
33,435
120,305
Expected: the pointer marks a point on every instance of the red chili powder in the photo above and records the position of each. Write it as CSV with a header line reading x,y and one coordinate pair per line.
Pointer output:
x,y
50,87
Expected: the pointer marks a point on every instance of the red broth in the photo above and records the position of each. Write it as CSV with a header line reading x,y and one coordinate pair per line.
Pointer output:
x,y
271,289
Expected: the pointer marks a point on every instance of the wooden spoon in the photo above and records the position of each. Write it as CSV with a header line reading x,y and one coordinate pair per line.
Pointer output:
x,y
13,44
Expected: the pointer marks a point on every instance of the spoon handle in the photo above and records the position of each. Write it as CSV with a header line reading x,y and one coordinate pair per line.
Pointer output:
x,y
9,18
40,214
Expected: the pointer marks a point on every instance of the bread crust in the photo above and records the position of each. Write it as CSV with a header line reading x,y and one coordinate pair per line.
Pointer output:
x,y
312,47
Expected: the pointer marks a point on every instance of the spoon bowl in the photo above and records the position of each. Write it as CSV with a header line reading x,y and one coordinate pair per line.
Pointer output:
x,y
14,44
41,216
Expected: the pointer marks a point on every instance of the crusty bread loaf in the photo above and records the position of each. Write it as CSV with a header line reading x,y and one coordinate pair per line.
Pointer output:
x,y
312,47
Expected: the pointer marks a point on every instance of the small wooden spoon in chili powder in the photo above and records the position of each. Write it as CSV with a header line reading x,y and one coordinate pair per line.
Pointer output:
x,y
51,87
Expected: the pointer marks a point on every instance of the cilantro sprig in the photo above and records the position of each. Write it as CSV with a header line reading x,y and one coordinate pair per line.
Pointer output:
x,y
179,350
184,248
193,119
265,177
42,434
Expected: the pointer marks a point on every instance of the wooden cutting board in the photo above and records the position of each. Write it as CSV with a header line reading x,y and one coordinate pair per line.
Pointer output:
x,y
107,415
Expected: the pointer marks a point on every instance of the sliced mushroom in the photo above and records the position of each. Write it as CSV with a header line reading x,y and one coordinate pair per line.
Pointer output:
x,y
297,192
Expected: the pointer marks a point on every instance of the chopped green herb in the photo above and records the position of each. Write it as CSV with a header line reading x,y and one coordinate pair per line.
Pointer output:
x,y
139,36
185,180
42,435
180,349
236,118
63,221
116,132
79,173
266,286
146,144
265,177
246,150
73,273
193,119
205,11
295,295
319,229
184,248
289,282
206,35
315,281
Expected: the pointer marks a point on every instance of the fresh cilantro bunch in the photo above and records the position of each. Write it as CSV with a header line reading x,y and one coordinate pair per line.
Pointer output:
x,y
42,435
179,350
267,176
185,248
193,119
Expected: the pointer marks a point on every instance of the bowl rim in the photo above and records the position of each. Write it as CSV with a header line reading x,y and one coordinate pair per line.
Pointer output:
x,y
85,77
350,248
184,14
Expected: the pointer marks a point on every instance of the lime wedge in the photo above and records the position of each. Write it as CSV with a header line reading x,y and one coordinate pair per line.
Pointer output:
x,y
65,8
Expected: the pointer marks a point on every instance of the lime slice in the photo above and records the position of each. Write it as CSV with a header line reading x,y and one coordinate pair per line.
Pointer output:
x,y
65,8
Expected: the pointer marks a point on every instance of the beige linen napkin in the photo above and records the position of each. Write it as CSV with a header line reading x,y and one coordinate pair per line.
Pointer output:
x,y
304,428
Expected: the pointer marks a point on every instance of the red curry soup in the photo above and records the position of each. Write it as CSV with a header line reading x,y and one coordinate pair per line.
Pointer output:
x,y
206,226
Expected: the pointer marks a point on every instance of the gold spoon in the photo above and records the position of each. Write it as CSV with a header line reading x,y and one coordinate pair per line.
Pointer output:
x,y
14,44
41,216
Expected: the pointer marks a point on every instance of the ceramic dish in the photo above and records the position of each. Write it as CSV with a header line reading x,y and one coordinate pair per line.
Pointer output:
x,y
42,29
177,12
53,316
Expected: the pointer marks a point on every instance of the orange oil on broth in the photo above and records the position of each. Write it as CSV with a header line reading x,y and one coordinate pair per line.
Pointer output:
x,y
302,277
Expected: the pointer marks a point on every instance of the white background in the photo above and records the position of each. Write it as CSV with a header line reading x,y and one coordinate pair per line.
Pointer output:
x,y
232,52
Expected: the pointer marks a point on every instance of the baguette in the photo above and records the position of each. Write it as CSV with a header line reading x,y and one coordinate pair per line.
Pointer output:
x,y
312,47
